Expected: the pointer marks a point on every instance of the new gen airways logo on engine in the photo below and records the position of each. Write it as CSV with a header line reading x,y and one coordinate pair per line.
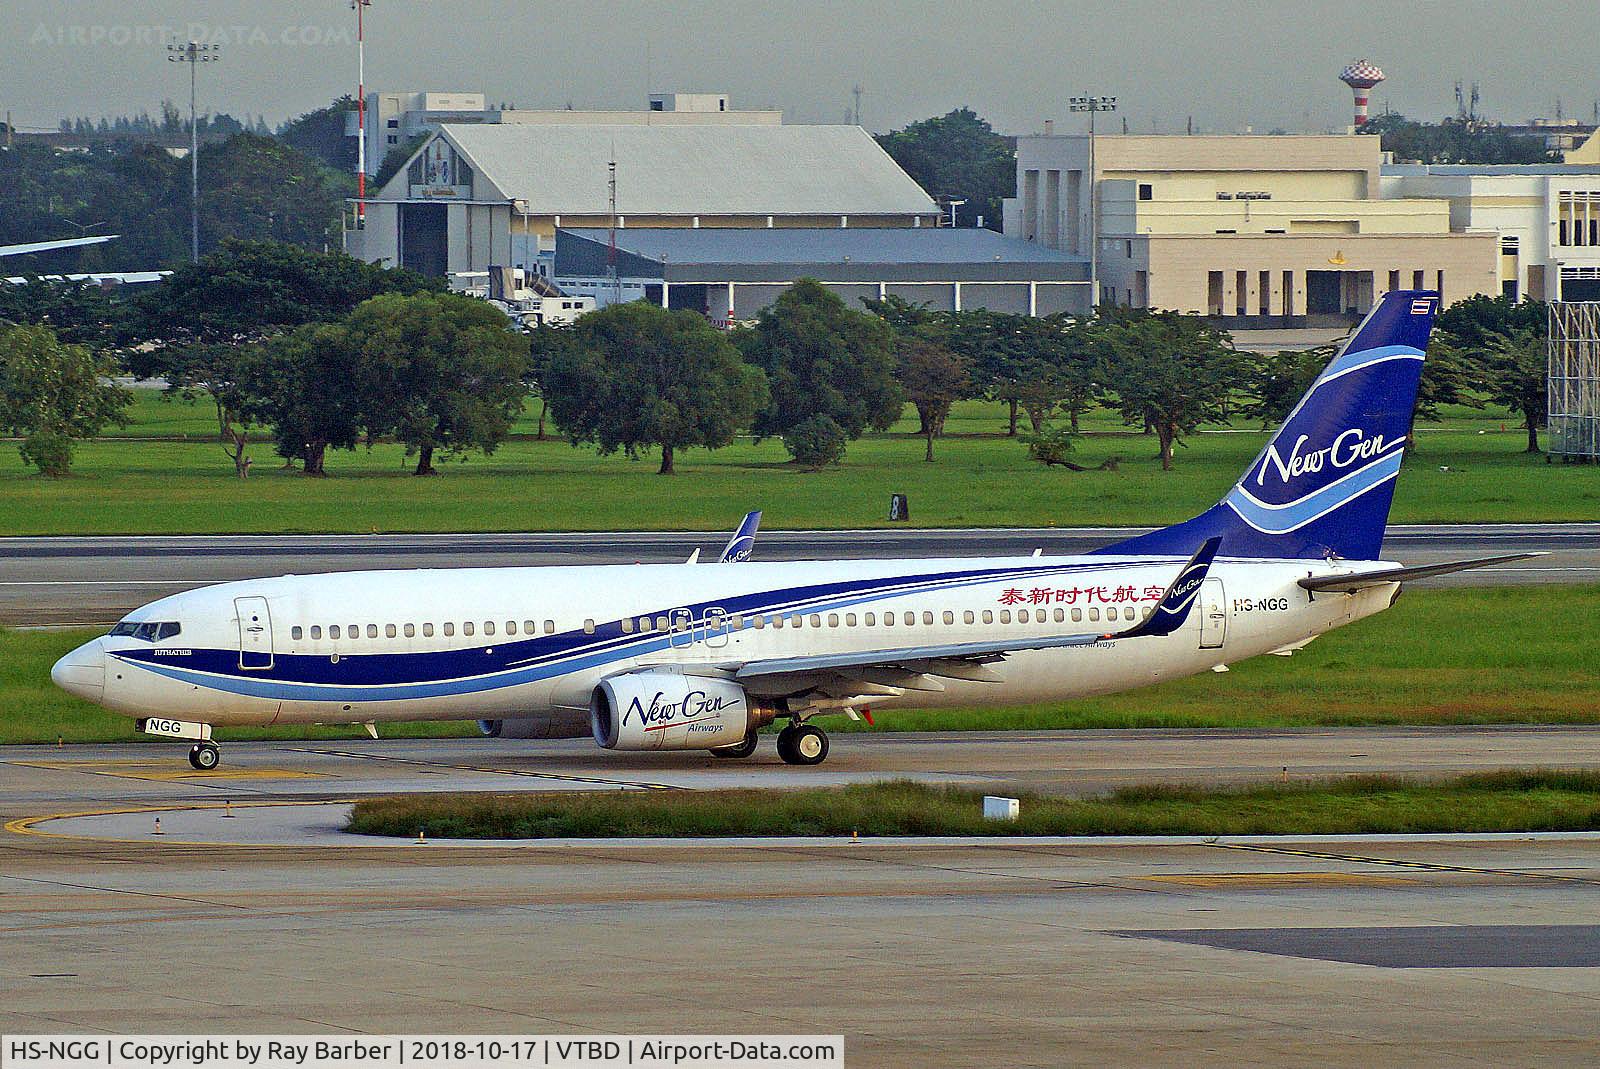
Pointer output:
x,y
1350,448
696,705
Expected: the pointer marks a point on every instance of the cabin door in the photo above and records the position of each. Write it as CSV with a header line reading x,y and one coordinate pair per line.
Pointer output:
x,y
1213,615
255,633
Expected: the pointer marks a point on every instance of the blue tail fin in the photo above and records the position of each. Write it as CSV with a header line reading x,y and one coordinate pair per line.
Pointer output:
x,y
1323,485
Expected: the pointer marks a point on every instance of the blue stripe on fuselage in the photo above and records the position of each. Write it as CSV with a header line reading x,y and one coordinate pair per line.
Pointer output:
x,y
393,676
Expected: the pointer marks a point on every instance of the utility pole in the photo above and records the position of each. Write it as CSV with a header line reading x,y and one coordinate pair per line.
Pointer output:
x,y
194,53
1092,105
856,93
611,253
361,111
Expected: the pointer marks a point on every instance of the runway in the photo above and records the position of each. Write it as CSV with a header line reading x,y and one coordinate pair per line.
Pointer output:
x,y
1380,951
94,581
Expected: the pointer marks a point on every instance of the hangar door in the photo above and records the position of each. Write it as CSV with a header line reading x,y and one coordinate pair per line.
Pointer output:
x,y
424,243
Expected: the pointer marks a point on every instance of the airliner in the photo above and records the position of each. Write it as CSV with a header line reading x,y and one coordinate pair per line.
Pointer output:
x,y
701,656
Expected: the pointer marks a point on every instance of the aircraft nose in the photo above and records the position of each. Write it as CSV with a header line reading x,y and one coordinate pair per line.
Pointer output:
x,y
83,671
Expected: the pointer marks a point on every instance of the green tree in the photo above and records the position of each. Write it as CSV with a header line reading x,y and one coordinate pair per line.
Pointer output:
x,y
52,393
439,372
320,135
305,386
1455,141
193,329
821,359
934,378
636,375
79,312
1170,372
1277,381
958,155
1518,366
268,190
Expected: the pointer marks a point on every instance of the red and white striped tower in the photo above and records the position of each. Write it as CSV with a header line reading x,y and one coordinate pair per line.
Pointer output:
x,y
361,110
1361,76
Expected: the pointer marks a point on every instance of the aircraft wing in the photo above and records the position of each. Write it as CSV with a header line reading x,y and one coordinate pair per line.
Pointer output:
x,y
910,667
1349,584
50,246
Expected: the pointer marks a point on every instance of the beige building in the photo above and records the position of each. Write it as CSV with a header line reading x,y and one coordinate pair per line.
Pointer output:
x,y
1269,230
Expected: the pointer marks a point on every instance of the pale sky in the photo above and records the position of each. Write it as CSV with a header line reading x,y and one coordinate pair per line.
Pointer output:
x,y
1228,63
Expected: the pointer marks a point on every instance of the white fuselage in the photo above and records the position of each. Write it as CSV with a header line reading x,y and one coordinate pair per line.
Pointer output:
x,y
369,647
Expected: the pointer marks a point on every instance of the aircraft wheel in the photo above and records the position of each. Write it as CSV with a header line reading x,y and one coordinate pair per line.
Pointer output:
x,y
205,756
739,749
802,744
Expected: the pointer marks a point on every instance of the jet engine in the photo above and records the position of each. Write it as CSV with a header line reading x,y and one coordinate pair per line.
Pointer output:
x,y
656,710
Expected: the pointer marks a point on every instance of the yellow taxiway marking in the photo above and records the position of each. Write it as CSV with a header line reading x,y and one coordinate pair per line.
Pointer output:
x,y
164,772
27,825
1276,879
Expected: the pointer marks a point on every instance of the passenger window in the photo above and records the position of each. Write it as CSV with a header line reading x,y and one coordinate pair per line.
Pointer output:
x,y
949,617
661,623
1005,616
449,630
871,619
354,630
1061,616
389,631
333,632
316,631
968,617
467,627
645,623
549,627
427,630
1077,616
588,627
511,627
777,621
411,631
833,619
988,616
1129,613
1094,614
927,618
760,622
736,623
849,619
530,627
296,632
627,625
488,627
1022,616
910,618
372,630
816,621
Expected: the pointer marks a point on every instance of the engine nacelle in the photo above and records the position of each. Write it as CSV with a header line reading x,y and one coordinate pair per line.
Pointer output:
x,y
671,711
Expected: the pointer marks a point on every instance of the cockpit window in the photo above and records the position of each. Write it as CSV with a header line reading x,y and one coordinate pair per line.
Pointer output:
x,y
148,631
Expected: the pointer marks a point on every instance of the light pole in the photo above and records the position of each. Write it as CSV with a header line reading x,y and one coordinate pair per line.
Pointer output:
x,y
1092,105
361,111
193,53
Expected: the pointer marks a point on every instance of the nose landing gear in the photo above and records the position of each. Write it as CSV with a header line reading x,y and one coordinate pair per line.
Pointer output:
x,y
802,744
205,756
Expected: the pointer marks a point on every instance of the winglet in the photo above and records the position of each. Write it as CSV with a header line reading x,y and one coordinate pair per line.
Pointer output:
x,y
1179,597
743,541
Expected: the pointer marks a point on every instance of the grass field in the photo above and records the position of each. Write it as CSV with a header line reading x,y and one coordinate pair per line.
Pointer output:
x,y
1440,656
166,473
1495,801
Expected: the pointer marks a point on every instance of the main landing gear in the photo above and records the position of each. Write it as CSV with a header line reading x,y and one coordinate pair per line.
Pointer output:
x,y
205,756
802,744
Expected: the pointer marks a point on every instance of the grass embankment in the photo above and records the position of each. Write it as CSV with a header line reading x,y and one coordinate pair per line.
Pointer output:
x,y
166,473
1445,655
1496,801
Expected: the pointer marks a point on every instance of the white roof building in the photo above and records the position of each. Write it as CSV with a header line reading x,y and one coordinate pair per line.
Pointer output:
x,y
479,195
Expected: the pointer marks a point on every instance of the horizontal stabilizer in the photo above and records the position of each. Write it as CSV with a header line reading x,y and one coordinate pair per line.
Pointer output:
x,y
1349,584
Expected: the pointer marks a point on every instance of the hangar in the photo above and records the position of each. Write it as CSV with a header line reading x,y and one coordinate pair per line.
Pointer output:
x,y
476,196
734,273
